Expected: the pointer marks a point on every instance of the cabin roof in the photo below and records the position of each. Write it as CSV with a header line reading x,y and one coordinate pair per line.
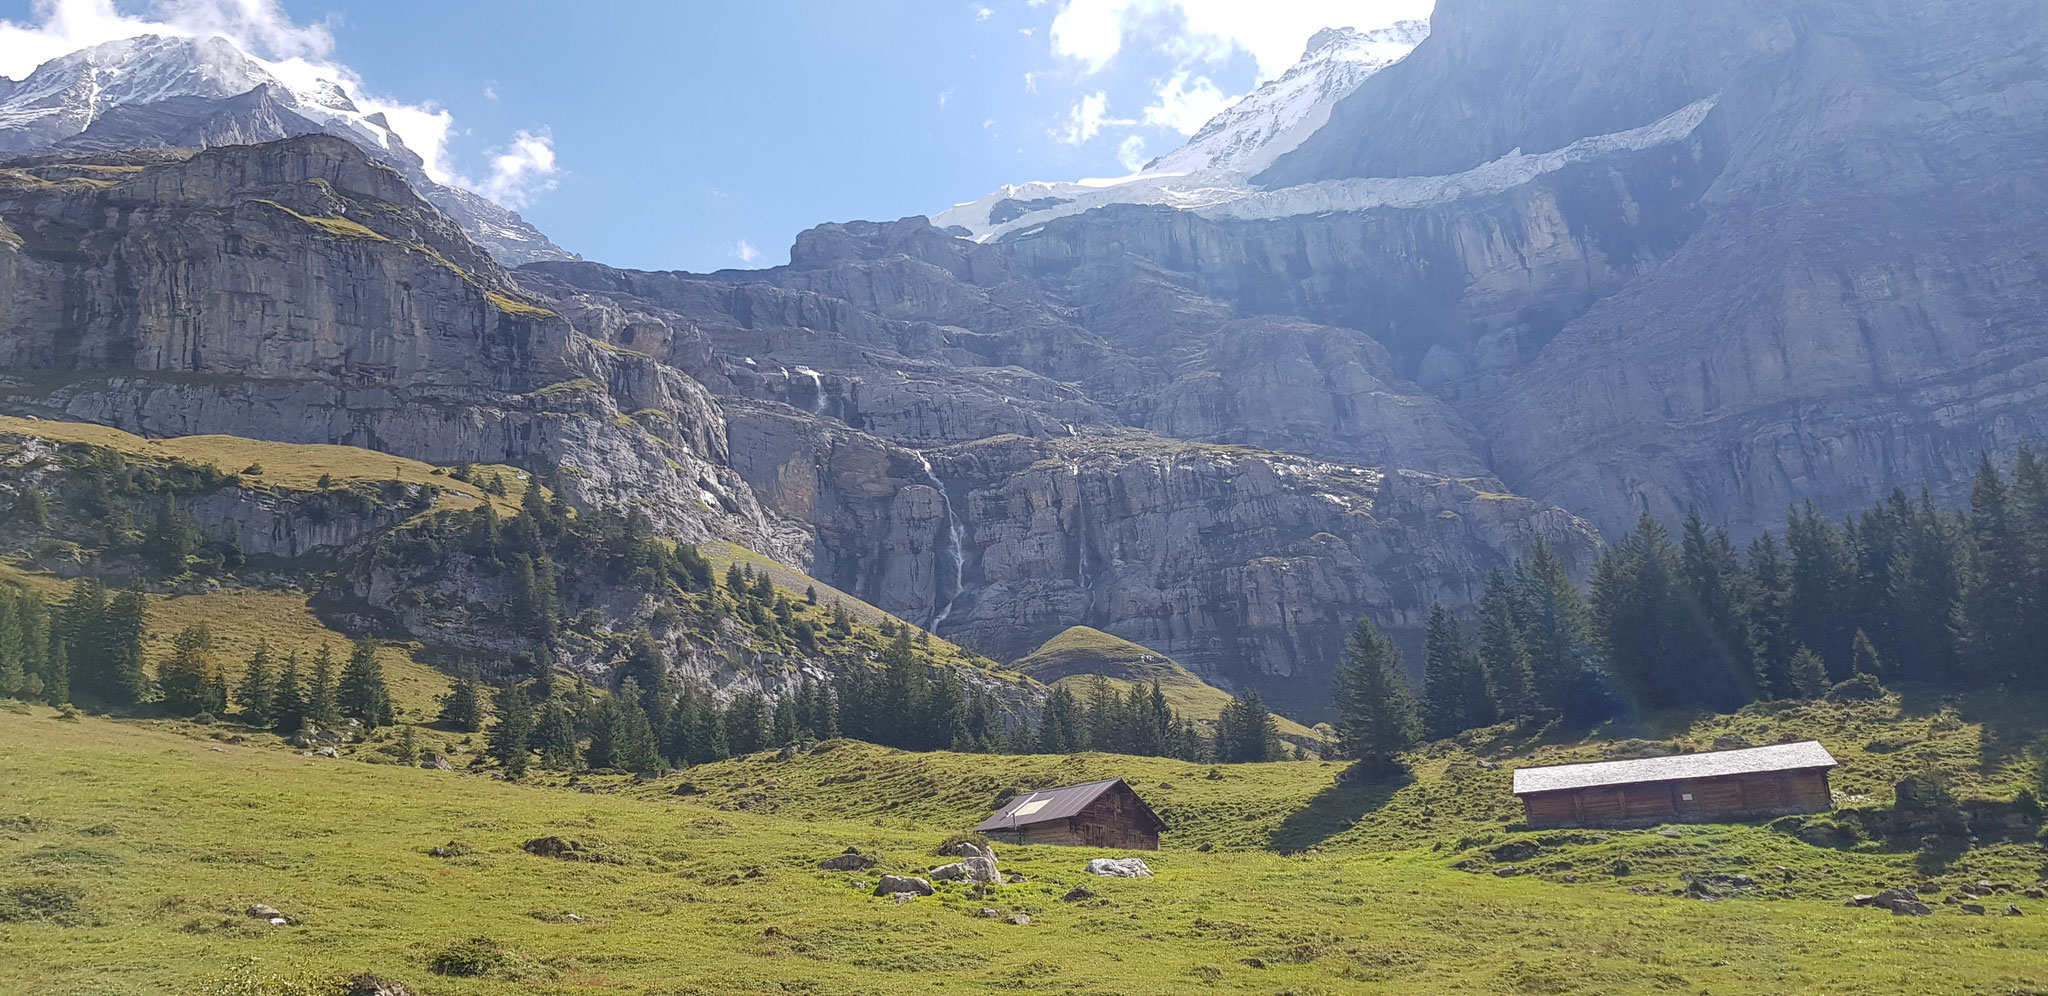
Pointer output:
x,y
1803,756
1049,805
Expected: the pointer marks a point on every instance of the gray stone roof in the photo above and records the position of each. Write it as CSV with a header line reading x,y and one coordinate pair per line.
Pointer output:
x,y
1803,756
1048,805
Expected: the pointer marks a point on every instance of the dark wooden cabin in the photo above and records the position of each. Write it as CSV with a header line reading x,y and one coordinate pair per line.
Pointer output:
x,y
1690,788
1098,814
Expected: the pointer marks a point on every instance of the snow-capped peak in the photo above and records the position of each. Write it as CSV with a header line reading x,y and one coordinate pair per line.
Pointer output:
x,y
1217,162
65,95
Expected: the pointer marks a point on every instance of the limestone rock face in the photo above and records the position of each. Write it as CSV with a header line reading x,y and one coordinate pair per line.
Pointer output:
x,y
301,292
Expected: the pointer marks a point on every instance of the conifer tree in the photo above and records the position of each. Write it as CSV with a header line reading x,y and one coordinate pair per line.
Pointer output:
x,y
784,726
510,739
13,646
1376,714
322,708
1767,620
1507,683
288,705
187,676
1446,707
1245,731
1556,631
408,752
1061,724
745,723
555,736
256,693
463,708
632,743
1864,654
362,693
1809,674
1995,613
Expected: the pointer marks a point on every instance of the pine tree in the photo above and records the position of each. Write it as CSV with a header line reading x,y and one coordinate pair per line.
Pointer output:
x,y
463,708
125,618
1446,706
408,752
171,539
1995,612
510,739
783,729
631,739
362,692
1061,724
1506,677
1767,618
1376,714
1864,654
256,694
288,705
1717,649
322,709
745,723
1809,674
1245,731
187,676
13,646
1556,631
1817,609
555,736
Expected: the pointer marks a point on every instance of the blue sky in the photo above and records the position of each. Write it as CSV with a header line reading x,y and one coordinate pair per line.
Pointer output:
x,y
666,135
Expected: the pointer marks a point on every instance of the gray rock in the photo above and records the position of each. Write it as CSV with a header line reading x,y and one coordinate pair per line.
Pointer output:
x,y
1120,868
898,884
435,762
2011,910
1973,909
327,752
976,869
847,862
1020,919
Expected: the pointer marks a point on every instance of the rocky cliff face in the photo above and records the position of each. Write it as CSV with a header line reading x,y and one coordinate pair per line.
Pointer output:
x,y
300,292
1660,254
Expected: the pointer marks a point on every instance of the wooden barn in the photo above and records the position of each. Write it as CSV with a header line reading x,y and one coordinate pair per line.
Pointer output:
x,y
1098,814
1689,788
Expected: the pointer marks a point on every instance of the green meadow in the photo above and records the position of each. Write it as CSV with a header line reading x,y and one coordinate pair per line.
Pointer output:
x,y
132,848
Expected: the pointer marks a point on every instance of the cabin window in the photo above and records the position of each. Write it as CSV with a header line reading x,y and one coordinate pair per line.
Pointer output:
x,y
1687,796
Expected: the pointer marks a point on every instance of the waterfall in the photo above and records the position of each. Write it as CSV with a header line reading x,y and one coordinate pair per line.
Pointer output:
x,y
817,388
942,602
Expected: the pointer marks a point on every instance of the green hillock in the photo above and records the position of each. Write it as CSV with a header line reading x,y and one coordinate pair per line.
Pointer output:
x,y
1075,657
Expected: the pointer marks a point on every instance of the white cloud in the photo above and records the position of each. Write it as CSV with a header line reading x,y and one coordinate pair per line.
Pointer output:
x,y
1131,153
300,55
1184,103
1087,118
745,252
1031,82
490,89
523,170
945,97
982,13
1273,32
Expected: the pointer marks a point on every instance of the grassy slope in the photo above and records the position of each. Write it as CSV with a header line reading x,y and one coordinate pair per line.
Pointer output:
x,y
163,833
1073,657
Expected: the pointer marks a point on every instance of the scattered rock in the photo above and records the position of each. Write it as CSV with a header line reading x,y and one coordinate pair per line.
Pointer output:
x,y
904,897
327,752
978,870
1731,741
1120,868
1206,847
989,914
1902,902
1077,894
366,984
2011,910
847,863
1973,909
572,918
2036,893
268,914
558,847
1669,833
966,849
688,788
435,762
452,849
1515,850
1507,871
893,884
1021,920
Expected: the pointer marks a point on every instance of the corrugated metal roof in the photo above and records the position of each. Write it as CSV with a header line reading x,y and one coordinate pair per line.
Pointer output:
x,y
1712,764
1048,805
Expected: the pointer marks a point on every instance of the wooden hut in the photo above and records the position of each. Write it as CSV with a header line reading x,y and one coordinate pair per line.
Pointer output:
x,y
1099,814
1689,788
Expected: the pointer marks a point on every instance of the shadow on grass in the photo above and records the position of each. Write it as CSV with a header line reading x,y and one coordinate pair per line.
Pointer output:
x,y
1935,859
1333,811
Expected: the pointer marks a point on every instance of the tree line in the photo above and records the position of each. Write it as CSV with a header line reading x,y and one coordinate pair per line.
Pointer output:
x,y
1903,591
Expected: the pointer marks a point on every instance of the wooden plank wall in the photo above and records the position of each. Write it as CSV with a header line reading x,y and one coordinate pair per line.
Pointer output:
x,y
1649,803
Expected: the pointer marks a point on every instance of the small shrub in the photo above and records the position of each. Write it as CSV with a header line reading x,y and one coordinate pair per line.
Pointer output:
x,y
475,957
1862,688
35,901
